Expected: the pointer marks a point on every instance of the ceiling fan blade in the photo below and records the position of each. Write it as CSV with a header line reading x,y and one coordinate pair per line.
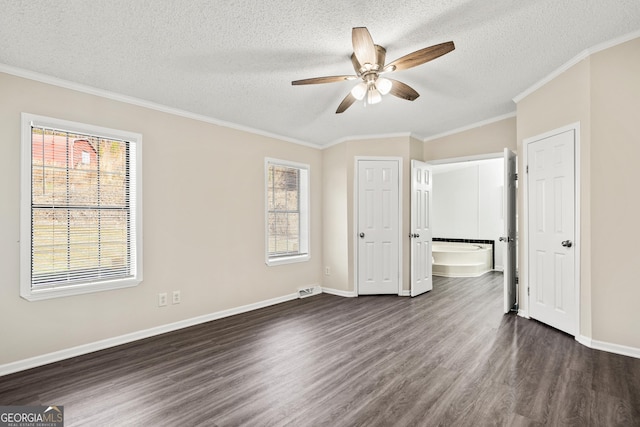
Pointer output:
x,y
402,90
318,80
363,46
346,103
420,56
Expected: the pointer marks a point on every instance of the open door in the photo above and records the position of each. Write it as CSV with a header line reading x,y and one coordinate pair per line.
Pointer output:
x,y
509,237
421,234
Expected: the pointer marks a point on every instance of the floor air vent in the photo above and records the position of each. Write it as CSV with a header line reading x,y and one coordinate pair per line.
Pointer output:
x,y
306,292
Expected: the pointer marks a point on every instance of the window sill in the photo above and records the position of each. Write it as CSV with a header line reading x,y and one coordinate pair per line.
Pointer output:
x,y
287,260
66,291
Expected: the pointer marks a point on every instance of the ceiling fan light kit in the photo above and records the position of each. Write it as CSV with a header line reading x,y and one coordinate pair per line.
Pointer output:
x,y
368,62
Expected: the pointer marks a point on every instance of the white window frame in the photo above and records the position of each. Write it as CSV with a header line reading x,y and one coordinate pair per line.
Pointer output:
x,y
26,291
304,196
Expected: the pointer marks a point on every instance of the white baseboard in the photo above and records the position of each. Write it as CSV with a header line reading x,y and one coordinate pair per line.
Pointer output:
x,y
405,293
615,348
584,340
339,292
56,356
523,313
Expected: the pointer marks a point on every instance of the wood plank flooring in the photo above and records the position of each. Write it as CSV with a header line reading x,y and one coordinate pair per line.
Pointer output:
x,y
448,357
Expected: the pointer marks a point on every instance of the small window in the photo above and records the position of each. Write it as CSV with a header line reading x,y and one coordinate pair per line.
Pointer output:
x,y
287,212
80,210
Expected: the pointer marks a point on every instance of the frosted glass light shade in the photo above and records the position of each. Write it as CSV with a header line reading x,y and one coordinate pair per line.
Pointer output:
x,y
359,91
373,96
383,85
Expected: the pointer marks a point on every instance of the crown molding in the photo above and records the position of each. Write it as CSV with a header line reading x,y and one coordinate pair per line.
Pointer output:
x,y
573,61
54,81
471,126
370,136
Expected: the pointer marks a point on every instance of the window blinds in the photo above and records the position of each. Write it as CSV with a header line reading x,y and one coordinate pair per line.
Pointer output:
x,y
283,197
82,208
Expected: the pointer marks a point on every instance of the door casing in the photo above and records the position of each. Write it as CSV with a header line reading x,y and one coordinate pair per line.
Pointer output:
x,y
356,218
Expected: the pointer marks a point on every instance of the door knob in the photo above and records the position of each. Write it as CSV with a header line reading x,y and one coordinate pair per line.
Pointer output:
x,y
567,243
362,235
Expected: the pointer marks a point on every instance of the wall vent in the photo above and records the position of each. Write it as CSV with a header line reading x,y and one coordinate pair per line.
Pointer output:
x,y
307,292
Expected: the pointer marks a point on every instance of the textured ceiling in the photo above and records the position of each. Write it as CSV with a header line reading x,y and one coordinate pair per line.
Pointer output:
x,y
234,61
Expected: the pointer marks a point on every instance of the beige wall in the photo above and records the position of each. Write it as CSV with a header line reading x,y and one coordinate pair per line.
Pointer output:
x,y
487,139
562,101
338,200
335,245
203,223
615,200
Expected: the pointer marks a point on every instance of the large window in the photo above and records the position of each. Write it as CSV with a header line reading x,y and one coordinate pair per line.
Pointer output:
x,y
80,209
287,212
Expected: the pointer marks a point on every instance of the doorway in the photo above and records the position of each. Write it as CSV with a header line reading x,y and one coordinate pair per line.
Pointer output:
x,y
479,193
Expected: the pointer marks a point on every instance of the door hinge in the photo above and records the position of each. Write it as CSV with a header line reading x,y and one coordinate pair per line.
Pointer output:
x,y
515,176
528,291
517,280
527,168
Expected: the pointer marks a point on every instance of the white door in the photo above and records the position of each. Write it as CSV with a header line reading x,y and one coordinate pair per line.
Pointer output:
x,y
551,222
378,227
509,236
421,234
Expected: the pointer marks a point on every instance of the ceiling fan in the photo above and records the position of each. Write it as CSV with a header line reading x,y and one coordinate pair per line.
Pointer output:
x,y
368,62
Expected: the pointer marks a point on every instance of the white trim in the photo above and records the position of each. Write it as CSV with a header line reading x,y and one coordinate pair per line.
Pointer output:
x,y
609,347
573,61
56,356
474,158
584,340
339,292
355,217
616,348
404,293
54,81
524,276
471,126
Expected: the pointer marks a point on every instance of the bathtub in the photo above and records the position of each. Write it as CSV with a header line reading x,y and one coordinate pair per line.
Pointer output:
x,y
453,259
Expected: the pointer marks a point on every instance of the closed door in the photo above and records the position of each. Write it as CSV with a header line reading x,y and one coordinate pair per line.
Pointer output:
x,y
551,230
421,234
378,227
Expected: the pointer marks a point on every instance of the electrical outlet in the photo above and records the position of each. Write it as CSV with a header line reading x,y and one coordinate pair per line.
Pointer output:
x,y
176,297
327,271
162,299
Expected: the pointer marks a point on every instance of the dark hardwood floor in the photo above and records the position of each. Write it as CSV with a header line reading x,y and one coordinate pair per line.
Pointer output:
x,y
449,357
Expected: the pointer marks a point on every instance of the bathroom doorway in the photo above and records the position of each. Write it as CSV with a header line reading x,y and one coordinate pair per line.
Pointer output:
x,y
474,218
